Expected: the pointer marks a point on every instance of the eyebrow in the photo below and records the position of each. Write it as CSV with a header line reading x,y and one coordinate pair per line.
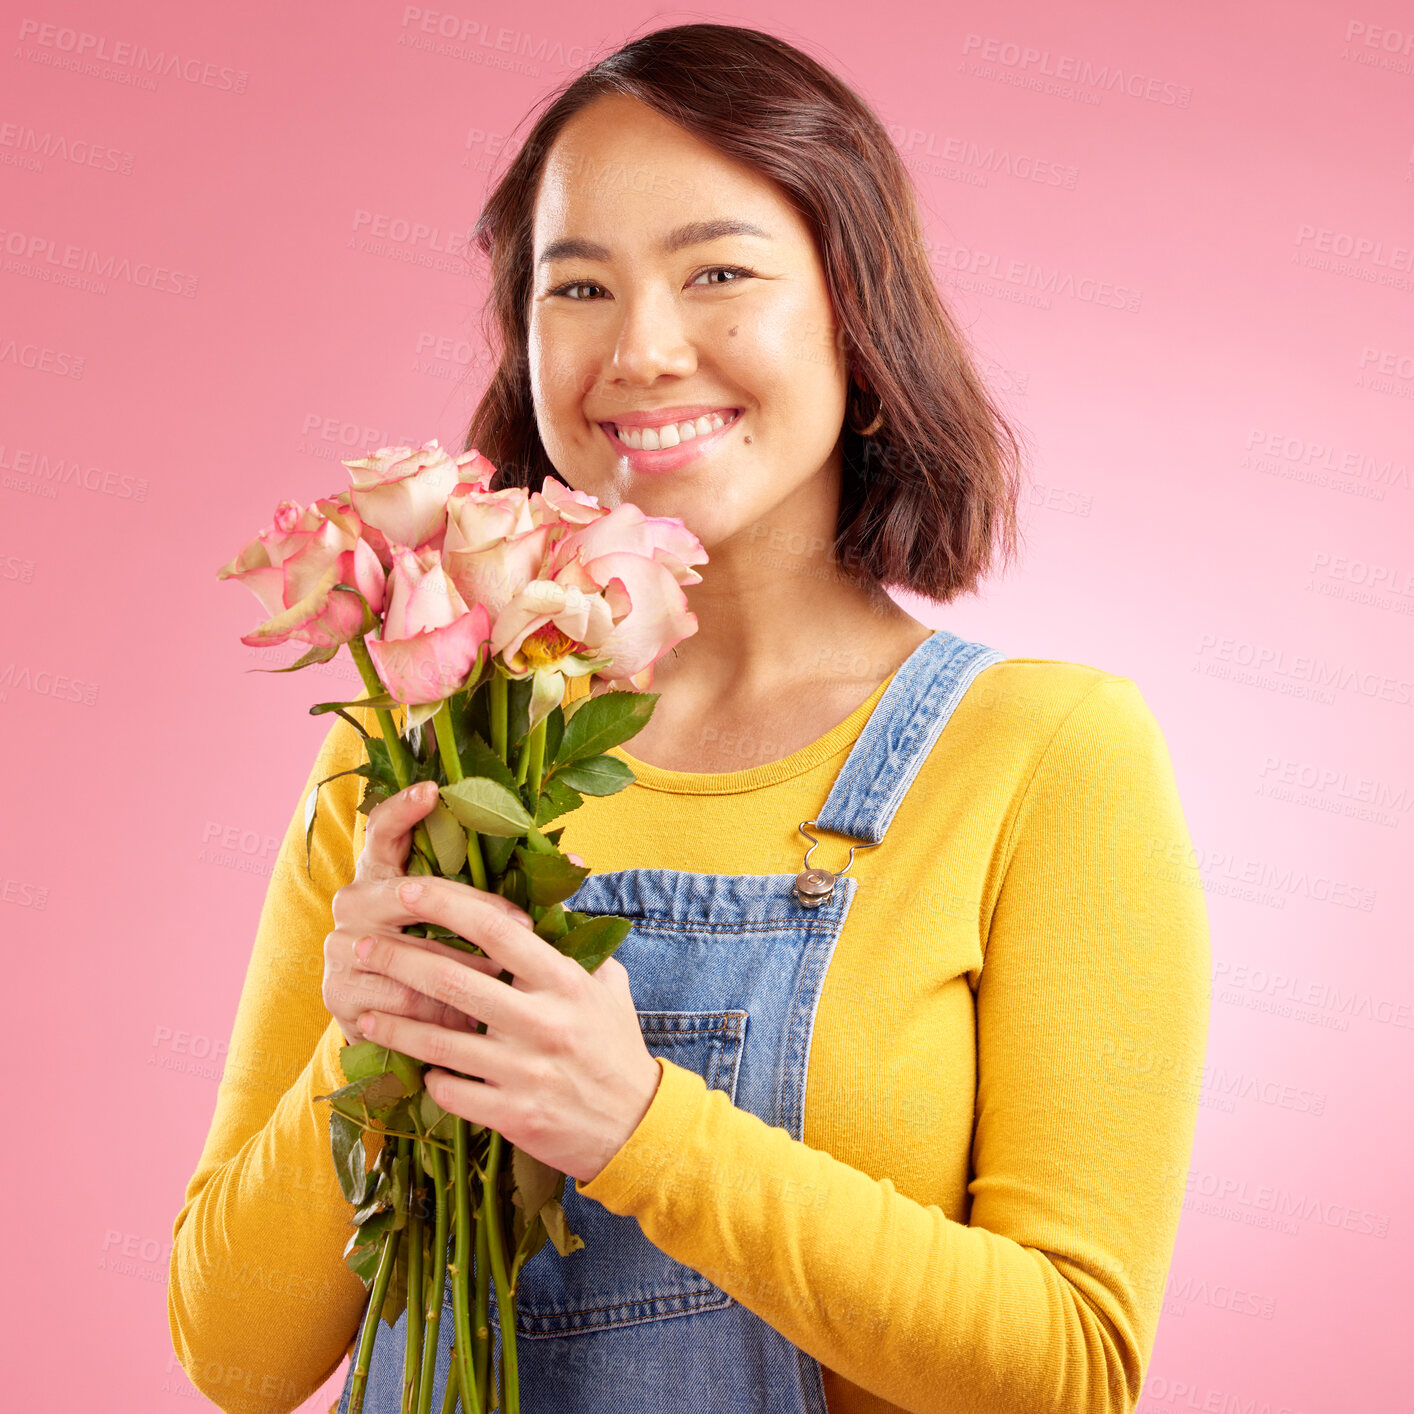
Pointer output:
x,y
693,233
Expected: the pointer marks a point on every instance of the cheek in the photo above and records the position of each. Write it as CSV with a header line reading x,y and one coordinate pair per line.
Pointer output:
x,y
555,365
786,357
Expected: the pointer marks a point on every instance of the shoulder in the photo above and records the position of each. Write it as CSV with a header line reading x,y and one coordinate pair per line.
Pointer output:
x,y
1036,697
1066,722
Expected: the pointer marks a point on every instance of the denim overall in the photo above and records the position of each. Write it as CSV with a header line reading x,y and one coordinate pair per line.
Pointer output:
x,y
726,971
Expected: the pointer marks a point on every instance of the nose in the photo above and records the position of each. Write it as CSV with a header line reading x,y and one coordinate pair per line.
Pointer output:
x,y
652,340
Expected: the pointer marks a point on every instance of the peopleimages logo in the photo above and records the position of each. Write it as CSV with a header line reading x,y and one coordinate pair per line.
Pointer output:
x,y
61,47
1027,60
37,255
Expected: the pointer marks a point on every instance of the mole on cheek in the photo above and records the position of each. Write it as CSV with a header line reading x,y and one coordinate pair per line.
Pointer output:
x,y
732,330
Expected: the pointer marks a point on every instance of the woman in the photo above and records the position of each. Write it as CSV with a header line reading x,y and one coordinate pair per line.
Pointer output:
x,y
914,1140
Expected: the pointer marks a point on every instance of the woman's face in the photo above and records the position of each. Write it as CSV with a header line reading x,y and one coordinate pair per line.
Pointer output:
x,y
626,329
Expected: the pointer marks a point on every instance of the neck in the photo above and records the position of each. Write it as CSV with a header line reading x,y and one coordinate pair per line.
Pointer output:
x,y
769,617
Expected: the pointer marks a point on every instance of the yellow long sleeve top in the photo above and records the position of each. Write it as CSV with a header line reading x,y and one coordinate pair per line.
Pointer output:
x,y
1001,1094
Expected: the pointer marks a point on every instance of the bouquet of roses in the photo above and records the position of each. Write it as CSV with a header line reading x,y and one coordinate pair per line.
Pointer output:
x,y
469,608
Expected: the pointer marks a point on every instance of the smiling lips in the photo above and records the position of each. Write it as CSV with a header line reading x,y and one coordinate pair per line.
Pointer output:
x,y
652,432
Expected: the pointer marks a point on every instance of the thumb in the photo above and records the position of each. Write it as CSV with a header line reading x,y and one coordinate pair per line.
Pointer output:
x,y
388,835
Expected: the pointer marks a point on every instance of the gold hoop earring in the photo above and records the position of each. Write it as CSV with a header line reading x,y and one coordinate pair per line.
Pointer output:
x,y
874,426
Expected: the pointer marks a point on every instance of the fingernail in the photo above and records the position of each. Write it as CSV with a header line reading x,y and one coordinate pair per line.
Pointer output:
x,y
424,791
363,947
410,892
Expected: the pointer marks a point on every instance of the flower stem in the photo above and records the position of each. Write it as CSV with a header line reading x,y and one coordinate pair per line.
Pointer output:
x,y
398,756
432,1315
452,765
387,1256
397,752
461,1317
449,1396
505,1298
499,687
481,1312
531,763
413,1354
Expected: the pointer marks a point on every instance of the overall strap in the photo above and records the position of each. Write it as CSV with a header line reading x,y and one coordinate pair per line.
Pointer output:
x,y
901,731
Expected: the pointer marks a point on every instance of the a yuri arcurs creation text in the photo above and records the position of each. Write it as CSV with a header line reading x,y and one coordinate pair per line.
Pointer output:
x,y
469,608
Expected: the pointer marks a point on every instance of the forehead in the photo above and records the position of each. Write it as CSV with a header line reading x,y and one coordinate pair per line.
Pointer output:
x,y
622,175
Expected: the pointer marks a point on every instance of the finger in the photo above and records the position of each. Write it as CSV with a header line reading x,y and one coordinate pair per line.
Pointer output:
x,y
392,908
468,1052
449,981
388,836
386,993
514,945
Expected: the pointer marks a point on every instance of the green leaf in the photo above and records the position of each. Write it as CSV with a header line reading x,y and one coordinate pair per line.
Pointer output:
x,y
602,722
530,1237
535,1182
552,925
362,1259
363,1058
379,763
373,794
595,939
599,775
487,806
368,1097
346,1140
553,1216
518,692
448,840
379,699
398,1195
549,877
395,1299
554,731
353,722
372,1229
314,655
496,851
556,798
311,811
478,759
370,1060
437,1123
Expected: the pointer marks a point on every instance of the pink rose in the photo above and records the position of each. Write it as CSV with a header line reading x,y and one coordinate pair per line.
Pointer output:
x,y
625,528
431,643
403,493
551,622
493,548
556,501
292,567
649,558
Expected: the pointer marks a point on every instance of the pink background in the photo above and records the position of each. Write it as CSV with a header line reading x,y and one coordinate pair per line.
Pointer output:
x,y
1194,290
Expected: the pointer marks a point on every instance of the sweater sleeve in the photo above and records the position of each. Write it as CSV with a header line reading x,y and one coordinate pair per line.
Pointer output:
x,y
260,1303
1092,1015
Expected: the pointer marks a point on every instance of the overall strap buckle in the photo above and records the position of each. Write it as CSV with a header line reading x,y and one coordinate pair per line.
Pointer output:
x,y
813,887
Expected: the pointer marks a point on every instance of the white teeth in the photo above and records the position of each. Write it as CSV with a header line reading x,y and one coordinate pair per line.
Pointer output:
x,y
652,439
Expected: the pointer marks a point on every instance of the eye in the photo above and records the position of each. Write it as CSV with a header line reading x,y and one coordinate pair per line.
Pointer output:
x,y
734,270
727,270
573,285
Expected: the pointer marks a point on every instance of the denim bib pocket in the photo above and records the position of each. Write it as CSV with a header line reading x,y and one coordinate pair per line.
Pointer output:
x,y
630,1280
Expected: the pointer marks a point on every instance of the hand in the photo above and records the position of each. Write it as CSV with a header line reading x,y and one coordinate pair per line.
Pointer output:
x,y
370,904
565,1074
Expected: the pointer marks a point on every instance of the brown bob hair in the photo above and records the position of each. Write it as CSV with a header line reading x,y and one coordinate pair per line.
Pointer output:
x,y
928,499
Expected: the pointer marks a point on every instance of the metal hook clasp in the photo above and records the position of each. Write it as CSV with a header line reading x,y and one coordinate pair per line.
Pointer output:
x,y
813,887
